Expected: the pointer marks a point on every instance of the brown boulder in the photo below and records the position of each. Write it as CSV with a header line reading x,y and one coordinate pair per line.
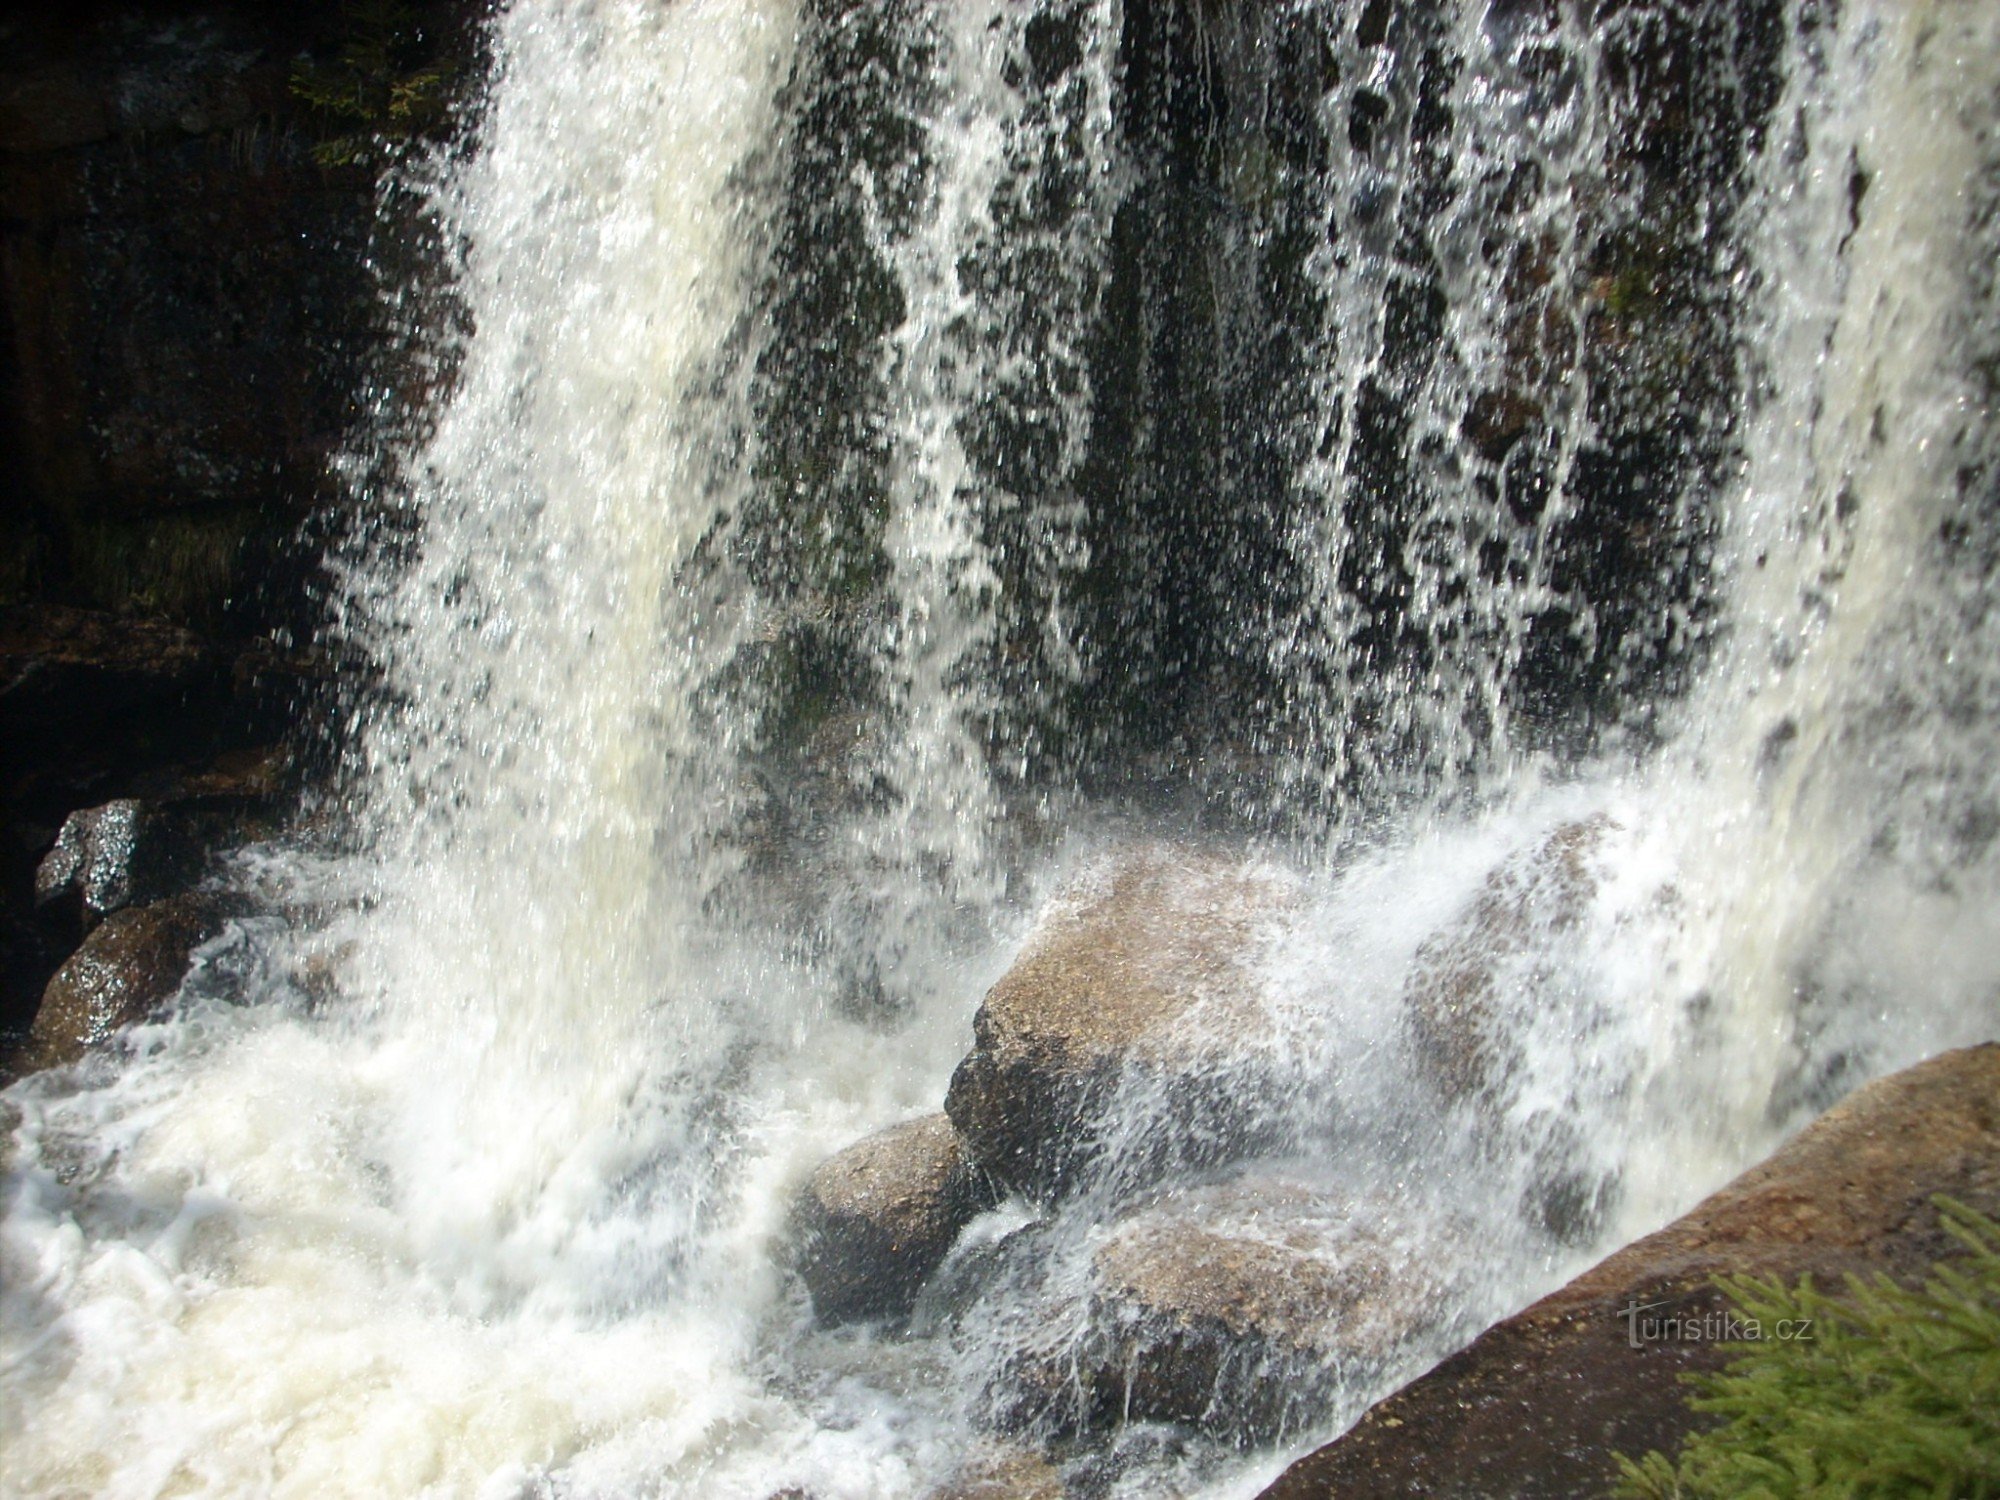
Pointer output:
x,y
1146,977
134,961
876,1219
1001,1473
1539,1404
1234,1309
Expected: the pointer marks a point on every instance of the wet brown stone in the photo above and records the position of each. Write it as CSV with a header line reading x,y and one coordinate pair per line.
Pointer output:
x,y
1234,1309
133,962
1148,972
1451,989
1005,1473
876,1219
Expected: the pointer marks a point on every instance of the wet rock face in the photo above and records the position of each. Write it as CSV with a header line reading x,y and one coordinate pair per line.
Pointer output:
x,y
184,294
110,857
1453,987
182,281
876,1219
1232,1309
1538,1405
1144,980
130,965
132,851
97,710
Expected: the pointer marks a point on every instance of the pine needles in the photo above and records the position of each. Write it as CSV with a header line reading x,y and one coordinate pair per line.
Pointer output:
x,y
1894,1393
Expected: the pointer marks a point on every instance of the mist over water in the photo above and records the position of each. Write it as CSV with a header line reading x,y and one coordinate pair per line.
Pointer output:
x,y
852,521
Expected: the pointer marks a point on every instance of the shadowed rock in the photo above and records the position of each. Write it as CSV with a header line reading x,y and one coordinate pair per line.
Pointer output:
x,y
1538,1405
876,1219
1144,979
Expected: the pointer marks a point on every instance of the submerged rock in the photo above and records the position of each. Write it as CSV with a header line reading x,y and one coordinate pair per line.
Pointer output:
x,y
1233,1309
1142,982
133,962
877,1218
1538,1405
1453,991
1508,943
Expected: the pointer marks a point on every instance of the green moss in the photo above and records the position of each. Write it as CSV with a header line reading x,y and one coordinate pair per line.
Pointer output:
x,y
1895,1393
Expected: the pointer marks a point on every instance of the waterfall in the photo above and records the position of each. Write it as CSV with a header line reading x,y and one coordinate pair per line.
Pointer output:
x,y
889,457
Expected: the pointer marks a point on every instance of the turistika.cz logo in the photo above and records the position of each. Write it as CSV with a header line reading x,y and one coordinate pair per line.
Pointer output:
x,y
1645,1325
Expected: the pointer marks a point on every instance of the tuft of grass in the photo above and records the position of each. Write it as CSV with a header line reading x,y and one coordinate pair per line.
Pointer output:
x,y
1897,1393
181,568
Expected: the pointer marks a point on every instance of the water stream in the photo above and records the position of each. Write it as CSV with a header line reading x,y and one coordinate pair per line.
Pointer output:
x,y
900,455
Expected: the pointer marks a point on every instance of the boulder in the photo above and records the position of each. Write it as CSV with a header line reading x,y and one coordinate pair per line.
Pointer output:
x,y
130,851
1453,990
1233,1309
1539,1404
110,857
96,707
1141,981
876,1219
132,963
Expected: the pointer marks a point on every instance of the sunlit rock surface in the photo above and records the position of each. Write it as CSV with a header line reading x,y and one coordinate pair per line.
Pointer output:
x,y
1144,976
1004,1473
1540,1403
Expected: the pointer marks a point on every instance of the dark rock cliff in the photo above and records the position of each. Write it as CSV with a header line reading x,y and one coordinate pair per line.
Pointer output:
x,y
188,219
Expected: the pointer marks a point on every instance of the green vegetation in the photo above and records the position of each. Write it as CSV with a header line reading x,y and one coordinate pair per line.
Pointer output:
x,y
1896,1394
386,86
176,567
